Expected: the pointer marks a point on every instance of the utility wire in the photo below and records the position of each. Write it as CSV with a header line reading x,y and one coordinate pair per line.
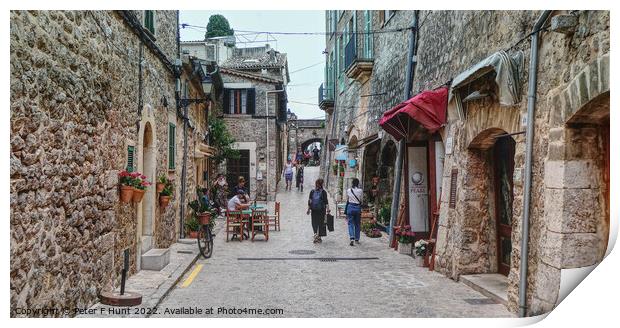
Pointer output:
x,y
382,31
301,69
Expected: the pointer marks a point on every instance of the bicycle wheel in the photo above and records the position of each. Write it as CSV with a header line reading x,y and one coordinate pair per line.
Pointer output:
x,y
205,242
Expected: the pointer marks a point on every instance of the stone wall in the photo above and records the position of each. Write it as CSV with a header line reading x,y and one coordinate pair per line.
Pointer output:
x,y
75,107
450,43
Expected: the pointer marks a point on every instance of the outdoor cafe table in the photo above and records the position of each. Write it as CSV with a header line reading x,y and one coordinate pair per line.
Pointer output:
x,y
247,216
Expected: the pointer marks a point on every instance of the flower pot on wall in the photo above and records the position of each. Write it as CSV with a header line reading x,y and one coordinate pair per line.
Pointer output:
x,y
126,193
404,248
137,195
193,234
164,200
160,187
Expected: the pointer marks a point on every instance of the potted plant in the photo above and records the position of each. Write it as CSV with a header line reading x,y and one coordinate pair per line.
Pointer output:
x,y
201,207
165,194
421,251
161,183
405,238
335,168
126,181
139,184
192,226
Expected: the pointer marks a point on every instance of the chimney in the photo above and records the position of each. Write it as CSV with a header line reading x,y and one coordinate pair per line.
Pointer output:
x,y
272,56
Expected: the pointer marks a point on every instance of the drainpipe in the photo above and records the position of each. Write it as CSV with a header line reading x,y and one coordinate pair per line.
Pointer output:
x,y
531,106
411,63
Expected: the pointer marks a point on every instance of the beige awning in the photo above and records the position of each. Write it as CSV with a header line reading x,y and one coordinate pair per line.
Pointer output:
x,y
204,150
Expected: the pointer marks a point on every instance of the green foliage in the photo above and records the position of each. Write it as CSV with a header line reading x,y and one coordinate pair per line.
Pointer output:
x,y
221,140
192,224
385,211
199,205
218,26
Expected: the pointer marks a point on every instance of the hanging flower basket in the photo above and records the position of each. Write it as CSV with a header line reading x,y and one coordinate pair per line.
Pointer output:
x,y
126,193
164,200
204,218
137,195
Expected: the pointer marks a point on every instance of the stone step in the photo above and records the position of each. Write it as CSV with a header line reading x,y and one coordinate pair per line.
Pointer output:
x,y
491,285
155,259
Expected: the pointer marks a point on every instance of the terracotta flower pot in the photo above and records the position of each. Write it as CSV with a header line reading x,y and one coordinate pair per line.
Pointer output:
x,y
193,234
160,187
204,218
164,200
126,193
137,195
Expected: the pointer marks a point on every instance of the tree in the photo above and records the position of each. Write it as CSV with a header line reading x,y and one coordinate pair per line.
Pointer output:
x,y
221,140
218,26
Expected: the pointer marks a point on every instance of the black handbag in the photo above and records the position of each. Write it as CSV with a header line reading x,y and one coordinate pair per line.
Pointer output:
x,y
322,229
330,222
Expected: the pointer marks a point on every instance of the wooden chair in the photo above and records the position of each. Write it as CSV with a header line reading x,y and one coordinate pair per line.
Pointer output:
x,y
274,220
260,219
234,224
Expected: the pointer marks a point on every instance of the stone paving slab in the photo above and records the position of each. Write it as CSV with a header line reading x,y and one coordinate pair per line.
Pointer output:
x,y
391,286
155,285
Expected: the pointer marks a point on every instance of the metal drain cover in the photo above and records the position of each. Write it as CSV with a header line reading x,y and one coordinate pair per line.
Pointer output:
x,y
327,260
302,252
480,301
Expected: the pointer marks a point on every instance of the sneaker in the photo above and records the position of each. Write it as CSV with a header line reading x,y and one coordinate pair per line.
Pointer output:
x,y
320,240
351,243
357,242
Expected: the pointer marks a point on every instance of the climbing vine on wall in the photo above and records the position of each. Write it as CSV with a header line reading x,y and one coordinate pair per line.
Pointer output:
x,y
221,139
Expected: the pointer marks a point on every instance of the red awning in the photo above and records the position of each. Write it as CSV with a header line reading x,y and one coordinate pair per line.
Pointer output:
x,y
427,108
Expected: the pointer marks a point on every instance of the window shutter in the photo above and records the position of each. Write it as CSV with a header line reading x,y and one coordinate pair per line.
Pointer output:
x,y
171,146
227,101
251,101
130,158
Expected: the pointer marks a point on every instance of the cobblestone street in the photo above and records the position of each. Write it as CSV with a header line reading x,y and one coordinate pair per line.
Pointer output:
x,y
389,286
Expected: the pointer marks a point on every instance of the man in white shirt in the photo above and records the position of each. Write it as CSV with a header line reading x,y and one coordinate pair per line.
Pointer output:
x,y
239,202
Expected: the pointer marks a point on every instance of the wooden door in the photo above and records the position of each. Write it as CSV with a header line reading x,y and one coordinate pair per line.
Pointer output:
x,y
503,159
236,168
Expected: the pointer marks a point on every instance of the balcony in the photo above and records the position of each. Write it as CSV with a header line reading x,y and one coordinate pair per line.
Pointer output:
x,y
358,67
326,97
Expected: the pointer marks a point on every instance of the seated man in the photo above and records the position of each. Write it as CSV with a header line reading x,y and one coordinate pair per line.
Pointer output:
x,y
238,202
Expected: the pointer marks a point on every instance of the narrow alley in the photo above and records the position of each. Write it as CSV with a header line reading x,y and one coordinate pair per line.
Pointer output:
x,y
386,285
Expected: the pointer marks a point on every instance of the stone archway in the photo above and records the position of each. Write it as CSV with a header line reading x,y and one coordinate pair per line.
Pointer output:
x,y
308,142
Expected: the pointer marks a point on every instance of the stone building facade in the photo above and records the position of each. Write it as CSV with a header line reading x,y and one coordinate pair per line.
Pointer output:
x,y
92,93
479,176
254,110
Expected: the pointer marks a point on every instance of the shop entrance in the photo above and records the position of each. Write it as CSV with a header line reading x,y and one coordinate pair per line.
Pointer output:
x,y
239,167
503,159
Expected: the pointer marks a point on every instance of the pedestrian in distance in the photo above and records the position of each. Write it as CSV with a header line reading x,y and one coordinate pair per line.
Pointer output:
x,y
354,210
299,178
288,174
318,205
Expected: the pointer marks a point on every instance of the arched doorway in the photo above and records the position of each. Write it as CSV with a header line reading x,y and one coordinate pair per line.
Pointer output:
x,y
490,194
587,141
147,164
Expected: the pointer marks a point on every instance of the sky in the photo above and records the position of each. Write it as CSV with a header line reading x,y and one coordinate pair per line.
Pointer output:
x,y
302,50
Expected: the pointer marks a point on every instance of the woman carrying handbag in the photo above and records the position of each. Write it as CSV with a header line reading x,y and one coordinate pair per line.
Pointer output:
x,y
353,210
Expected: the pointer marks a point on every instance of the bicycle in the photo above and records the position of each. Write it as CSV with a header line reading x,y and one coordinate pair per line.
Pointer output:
x,y
205,238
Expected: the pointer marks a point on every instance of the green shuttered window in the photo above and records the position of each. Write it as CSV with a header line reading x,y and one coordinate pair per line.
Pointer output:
x,y
149,21
130,158
171,145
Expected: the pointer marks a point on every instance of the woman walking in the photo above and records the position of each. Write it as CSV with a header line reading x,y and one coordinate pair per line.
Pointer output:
x,y
318,205
288,174
354,210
